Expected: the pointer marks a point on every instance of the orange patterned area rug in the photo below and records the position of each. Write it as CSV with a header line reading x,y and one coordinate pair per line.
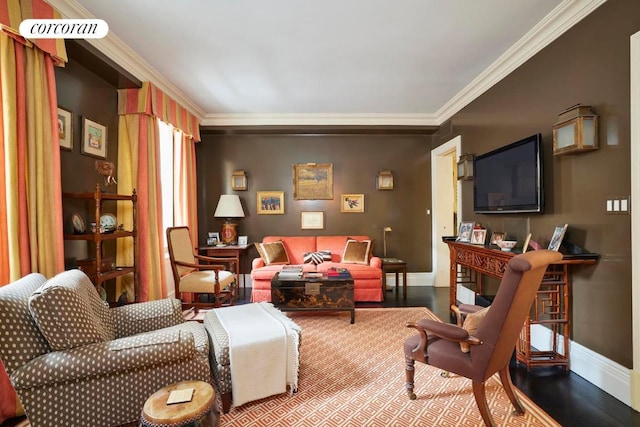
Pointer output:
x,y
353,375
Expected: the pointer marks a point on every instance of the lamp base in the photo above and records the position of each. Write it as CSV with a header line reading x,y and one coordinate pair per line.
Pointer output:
x,y
229,234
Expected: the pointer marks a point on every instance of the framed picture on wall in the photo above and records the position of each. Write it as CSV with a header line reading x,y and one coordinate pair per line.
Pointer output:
x,y
312,220
313,181
270,202
352,203
65,129
94,139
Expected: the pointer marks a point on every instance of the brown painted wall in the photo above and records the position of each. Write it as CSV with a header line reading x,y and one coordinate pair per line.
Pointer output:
x,y
85,94
587,65
268,160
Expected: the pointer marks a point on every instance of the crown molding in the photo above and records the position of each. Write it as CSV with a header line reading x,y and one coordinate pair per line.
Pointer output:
x,y
563,17
319,120
120,53
559,20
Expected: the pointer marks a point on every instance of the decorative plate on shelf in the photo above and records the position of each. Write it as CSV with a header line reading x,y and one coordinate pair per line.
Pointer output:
x,y
108,222
78,223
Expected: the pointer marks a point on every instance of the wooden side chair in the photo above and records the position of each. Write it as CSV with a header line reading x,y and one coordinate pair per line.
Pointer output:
x,y
200,275
491,346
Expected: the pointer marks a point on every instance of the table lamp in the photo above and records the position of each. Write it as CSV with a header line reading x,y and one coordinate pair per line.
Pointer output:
x,y
384,240
229,208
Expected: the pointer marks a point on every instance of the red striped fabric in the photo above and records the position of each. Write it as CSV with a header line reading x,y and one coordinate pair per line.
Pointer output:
x,y
151,100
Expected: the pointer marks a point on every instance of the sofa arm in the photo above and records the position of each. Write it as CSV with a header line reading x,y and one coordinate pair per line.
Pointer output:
x,y
142,317
257,263
105,358
375,262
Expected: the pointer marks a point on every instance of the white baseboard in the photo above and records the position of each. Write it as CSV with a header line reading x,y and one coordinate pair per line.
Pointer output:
x,y
604,373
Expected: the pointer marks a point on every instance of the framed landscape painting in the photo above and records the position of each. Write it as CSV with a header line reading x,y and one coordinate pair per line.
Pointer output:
x,y
313,181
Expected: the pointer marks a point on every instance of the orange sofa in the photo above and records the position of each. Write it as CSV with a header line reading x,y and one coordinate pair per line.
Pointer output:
x,y
367,278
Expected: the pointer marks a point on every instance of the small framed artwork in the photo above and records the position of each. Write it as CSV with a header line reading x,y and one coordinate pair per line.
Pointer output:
x,y
270,202
94,139
497,237
464,231
65,129
478,236
238,180
352,203
558,235
243,240
313,181
312,220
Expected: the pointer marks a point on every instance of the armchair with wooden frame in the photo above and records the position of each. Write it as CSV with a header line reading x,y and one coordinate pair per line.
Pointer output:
x,y
200,275
489,348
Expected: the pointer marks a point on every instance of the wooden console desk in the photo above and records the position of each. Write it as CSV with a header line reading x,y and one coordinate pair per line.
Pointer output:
x,y
551,306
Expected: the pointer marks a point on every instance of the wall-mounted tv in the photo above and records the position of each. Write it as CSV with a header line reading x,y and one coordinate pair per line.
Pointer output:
x,y
509,179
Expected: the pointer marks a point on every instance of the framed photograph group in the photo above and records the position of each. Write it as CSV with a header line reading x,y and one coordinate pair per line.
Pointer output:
x,y
352,203
94,139
270,202
65,129
313,181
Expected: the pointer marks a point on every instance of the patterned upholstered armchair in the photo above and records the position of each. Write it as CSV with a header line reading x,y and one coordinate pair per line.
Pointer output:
x,y
76,362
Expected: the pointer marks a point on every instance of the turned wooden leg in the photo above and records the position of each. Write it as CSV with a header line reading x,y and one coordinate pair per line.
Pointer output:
x,y
505,377
481,401
409,367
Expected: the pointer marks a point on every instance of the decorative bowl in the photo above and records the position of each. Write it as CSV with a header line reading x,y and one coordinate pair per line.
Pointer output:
x,y
506,245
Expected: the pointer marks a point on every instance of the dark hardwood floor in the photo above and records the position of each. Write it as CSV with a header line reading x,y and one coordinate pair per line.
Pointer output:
x,y
568,398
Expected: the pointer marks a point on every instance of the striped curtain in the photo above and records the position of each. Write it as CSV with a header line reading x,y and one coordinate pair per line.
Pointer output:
x,y
139,167
30,188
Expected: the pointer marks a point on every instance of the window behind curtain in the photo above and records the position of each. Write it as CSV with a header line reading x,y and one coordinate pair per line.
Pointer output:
x,y
166,172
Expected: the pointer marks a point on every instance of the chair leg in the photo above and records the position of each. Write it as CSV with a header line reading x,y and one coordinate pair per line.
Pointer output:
x,y
226,402
505,377
481,400
409,368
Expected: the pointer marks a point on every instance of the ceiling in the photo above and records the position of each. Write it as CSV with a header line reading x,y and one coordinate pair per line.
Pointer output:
x,y
256,62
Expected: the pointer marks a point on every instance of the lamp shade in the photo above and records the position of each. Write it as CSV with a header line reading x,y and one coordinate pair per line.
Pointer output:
x,y
229,206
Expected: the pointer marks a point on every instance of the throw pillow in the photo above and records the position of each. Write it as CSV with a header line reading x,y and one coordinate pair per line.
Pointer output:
x,y
273,253
64,317
471,323
316,258
356,252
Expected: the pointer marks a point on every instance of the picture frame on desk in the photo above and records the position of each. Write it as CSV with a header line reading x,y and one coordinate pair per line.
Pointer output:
x,y
478,236
496,237
243,240
464,232
558,235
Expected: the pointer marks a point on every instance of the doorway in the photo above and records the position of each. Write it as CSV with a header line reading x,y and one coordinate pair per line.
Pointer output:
x,y
445,190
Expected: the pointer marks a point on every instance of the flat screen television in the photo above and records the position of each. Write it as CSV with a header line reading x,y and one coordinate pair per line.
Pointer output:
x,y
509,179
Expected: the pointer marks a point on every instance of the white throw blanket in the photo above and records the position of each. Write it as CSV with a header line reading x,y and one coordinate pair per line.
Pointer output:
x,y
263,351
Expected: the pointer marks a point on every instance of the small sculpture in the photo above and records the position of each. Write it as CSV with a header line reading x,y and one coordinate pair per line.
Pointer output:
x,y
107,170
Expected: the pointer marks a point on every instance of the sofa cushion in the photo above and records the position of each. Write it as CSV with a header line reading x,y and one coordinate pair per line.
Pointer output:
x,y
356,252
471,323
296,246
273,253
318,257
69,312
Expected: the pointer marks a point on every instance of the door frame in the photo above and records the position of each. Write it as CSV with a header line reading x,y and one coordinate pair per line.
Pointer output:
x,y
449,148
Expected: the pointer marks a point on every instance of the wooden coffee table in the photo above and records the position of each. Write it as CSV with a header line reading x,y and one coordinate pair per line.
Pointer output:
x,y
323,293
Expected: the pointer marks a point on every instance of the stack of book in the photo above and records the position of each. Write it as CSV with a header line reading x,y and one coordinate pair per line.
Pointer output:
x,y
290,272
337,272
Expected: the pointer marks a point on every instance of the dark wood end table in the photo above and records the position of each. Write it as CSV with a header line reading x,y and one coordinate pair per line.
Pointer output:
x,y
397,266
237,252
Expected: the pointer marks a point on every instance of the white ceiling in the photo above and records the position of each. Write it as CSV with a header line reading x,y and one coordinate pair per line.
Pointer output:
x,y
400,62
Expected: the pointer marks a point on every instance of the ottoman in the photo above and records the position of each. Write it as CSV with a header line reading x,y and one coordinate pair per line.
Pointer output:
x,y
222,323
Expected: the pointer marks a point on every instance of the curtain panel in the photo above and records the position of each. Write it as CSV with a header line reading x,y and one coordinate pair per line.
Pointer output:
x,y
139,167
30,185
